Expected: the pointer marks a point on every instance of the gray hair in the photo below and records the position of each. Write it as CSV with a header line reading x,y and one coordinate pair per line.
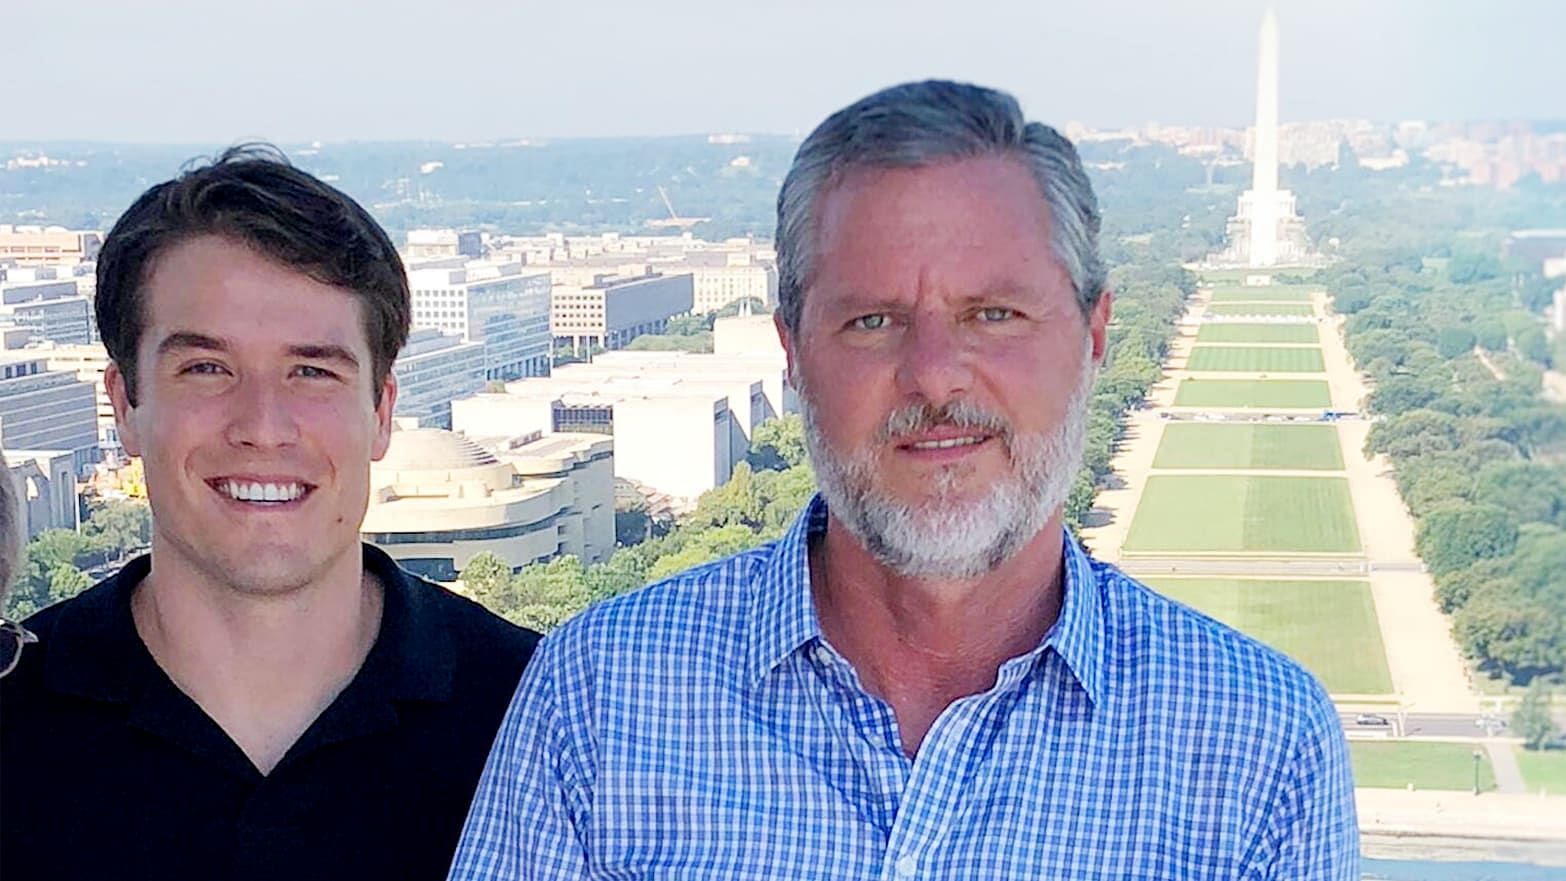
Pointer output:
x,y
926,123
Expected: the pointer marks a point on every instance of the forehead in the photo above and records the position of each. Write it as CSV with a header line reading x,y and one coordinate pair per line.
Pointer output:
x,y
967,223
227,289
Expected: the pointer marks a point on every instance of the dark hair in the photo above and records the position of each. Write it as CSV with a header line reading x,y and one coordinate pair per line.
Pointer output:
x,y
252,195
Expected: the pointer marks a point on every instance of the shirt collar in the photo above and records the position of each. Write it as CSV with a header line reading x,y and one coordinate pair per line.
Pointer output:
x,y
96,653
783,613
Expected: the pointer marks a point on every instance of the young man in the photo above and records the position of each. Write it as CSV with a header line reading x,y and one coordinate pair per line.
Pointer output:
x,y
262,696
926,677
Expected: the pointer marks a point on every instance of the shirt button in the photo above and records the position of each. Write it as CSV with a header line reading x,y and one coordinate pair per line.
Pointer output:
x,y
906,866
823,655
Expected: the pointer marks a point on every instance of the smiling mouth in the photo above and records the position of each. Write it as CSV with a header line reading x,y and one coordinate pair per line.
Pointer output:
x,y
272,493
948,443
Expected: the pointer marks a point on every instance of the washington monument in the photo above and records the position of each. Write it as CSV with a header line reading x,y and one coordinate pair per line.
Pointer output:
x,y
1265,230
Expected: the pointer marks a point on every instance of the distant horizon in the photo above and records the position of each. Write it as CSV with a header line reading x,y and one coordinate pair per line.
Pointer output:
x,y
1549,123
180,72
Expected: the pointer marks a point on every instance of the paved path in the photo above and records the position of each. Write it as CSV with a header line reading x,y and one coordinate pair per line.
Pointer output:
x,y
1427,670
1508,777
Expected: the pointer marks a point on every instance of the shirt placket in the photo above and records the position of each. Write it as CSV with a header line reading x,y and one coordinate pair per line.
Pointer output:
x,y
868,732
943,775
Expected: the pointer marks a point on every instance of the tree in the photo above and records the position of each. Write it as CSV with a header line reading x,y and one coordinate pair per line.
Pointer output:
x,y
1451,537
487,579
549,593
1532,720
120,526
1530,491
778,443
1454,341
66,582
1491,335
1083,492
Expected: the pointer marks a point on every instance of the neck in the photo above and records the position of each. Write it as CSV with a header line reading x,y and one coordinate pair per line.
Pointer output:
x,y
263,666
921,644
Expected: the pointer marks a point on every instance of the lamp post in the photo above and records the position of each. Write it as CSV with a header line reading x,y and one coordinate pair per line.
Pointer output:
x,y
1477,754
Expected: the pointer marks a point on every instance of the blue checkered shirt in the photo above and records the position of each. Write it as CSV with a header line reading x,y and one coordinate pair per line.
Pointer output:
x,y
702,728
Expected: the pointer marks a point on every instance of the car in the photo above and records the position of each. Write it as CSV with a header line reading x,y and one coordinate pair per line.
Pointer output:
x,y
1371,719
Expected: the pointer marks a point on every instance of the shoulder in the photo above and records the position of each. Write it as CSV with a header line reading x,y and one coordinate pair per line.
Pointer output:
x,y
695,619
1154,637
475,630
710,597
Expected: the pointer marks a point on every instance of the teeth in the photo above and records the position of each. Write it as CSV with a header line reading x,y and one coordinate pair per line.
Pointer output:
x,y
947,444
259,492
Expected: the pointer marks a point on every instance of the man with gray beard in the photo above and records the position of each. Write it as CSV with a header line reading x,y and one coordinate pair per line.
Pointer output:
x,y
926,677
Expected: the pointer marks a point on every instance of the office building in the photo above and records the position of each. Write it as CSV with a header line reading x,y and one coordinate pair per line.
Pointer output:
x,y
437,499
432,370
500,305
47,246
48,305
43,409
613,310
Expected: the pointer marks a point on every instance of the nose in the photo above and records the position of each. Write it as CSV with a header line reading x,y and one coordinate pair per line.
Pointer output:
x,y
934,362
261,415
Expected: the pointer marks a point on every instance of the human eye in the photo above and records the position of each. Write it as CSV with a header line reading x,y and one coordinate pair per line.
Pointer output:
x,y
313,371
874,321
991,314
203,368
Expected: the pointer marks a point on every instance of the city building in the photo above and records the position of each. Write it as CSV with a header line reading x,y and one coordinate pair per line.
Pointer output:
x,y
500,305
438,499
721,272
680,420
432,370
88,363
613,310
681,441
47,246
724,277
46,488
423,244
47,303
43,409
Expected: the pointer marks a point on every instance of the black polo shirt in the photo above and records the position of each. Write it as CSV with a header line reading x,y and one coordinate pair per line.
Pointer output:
x,y
108,770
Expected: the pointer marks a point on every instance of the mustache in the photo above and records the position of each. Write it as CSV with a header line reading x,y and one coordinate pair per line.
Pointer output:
x,y
961,413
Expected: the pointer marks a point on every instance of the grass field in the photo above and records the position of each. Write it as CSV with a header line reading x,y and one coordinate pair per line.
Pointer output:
x,y
1307,394
1259,309
1426,765
1249,445
1543,770
1285,293
1222,513
1328,626
1257,333
1257,359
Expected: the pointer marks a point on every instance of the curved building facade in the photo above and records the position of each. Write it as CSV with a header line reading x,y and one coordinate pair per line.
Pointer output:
x,y
437,499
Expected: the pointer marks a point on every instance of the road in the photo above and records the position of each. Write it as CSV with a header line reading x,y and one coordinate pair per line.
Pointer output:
x,y
1420,724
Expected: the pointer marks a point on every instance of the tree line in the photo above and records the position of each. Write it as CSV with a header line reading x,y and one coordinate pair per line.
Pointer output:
x,y
1456,357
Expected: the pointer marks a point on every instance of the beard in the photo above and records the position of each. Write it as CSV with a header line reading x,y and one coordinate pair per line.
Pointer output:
x,y
946,536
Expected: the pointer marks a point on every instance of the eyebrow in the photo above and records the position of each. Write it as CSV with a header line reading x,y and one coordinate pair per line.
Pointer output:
x,y
187,339
324,352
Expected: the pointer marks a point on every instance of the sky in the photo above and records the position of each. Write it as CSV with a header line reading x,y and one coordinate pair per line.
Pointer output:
x,y
160,71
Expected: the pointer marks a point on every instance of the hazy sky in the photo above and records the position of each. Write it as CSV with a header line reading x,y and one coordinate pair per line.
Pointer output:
x,y
215,71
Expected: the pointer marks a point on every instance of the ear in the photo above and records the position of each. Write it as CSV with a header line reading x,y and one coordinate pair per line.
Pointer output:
x,y
787,339
1098,324
383,417
124,412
